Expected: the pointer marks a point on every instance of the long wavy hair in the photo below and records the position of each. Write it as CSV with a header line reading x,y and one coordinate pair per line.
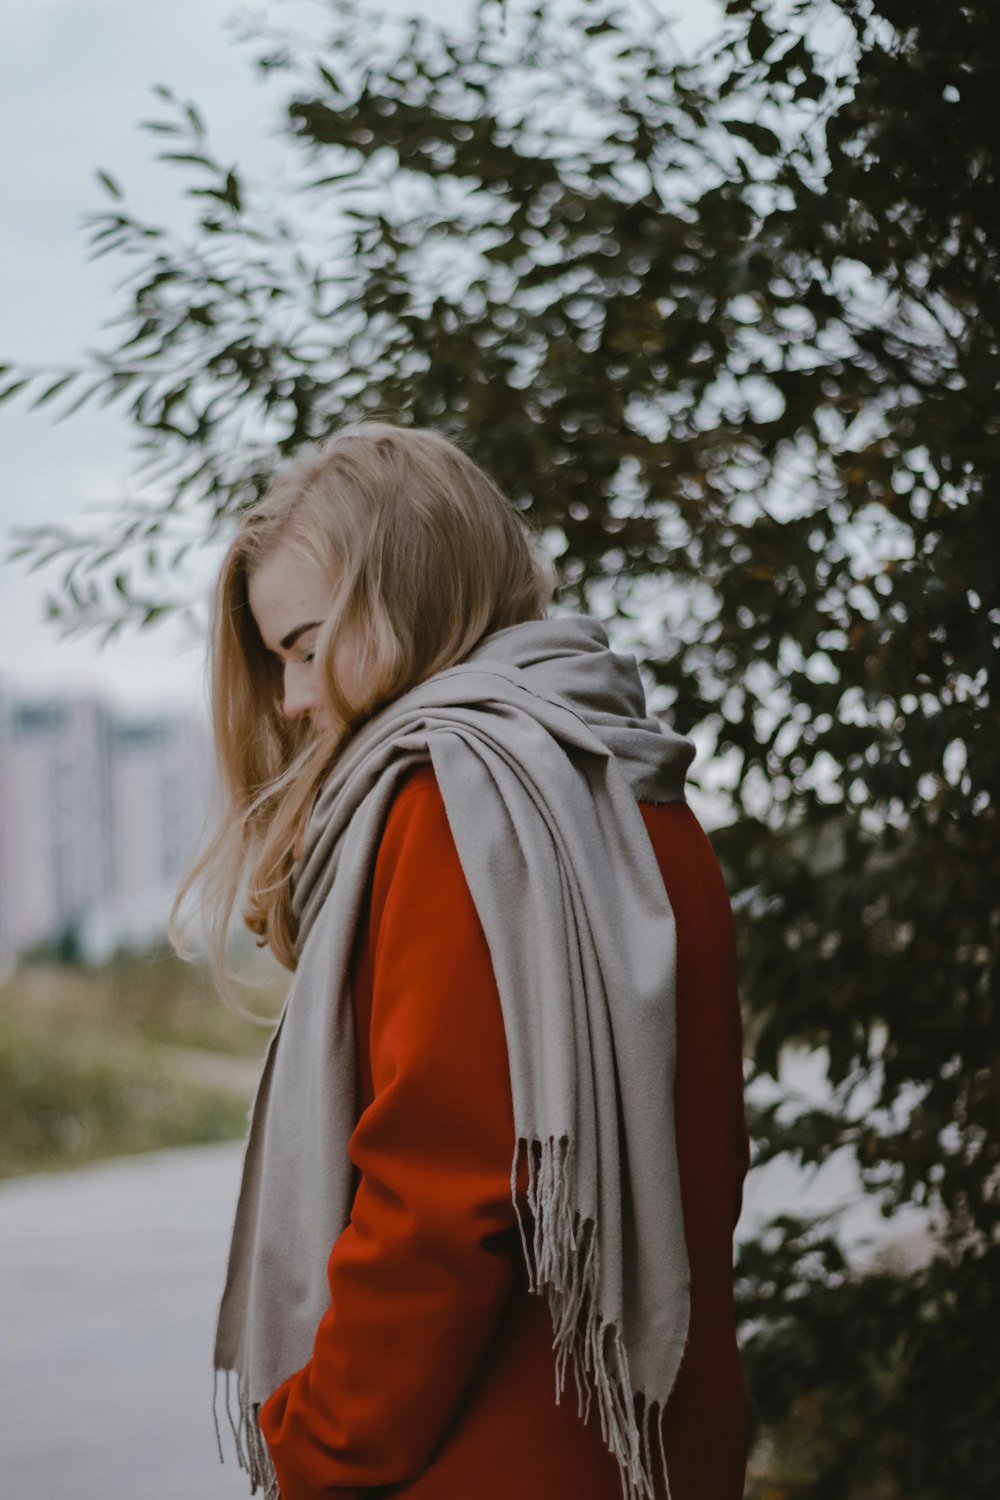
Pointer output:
x,y
426,555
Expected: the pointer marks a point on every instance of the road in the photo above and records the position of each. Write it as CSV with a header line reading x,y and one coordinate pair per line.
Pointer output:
x,y
109,1283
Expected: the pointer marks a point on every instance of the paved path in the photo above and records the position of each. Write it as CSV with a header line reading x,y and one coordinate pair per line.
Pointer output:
x,y
109,1284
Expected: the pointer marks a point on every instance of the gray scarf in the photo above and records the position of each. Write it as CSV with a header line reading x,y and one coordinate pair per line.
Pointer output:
x,y
541,747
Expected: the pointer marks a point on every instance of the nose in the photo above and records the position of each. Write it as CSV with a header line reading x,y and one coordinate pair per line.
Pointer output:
x,y
299,697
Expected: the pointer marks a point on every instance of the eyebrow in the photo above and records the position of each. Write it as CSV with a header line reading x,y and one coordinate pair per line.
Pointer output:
x,y
289,640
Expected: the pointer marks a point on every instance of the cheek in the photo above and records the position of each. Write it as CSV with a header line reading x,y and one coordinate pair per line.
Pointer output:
x,y
345,667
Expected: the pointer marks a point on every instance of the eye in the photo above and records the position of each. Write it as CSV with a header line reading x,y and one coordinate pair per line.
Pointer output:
x,y
307,658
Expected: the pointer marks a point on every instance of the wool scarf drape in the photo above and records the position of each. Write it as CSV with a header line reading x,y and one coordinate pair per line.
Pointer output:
x,y
541,747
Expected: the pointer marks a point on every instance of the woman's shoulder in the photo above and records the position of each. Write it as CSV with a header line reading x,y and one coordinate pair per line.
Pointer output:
x,y
420,915
416,798
414,780
416,824
418,795
416,841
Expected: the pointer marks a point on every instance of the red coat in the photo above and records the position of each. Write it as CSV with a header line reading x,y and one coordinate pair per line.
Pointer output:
x,y
432,1374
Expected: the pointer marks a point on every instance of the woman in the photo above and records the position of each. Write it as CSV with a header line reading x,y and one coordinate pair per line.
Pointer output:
x,y
499,1129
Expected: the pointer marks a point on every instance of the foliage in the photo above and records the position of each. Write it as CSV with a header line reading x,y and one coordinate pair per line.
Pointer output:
x,y
149,996
76,1095
729,328
134,1055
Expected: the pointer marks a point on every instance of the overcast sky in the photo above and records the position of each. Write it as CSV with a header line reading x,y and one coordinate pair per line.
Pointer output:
x,y
75,78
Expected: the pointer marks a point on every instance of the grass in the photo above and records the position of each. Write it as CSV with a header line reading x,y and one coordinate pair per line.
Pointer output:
x,y
117,1060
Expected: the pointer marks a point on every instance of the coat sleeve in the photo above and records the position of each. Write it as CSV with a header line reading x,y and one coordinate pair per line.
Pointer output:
x,y
420,1275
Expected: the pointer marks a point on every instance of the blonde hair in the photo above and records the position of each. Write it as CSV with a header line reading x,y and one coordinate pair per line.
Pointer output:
x,y
427,555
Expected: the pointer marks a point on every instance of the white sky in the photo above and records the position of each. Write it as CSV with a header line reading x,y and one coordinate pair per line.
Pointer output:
x,y
75,79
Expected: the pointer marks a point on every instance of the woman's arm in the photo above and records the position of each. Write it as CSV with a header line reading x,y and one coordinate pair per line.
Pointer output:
x,y
420,1275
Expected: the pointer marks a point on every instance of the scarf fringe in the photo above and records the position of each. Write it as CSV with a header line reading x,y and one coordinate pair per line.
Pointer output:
x,y
564,1262
252,1453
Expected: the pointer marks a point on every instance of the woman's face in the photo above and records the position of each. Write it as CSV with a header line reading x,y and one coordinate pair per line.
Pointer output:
x,y
290,598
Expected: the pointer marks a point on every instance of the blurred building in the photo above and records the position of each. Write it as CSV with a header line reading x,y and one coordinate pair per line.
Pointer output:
x,y
99,814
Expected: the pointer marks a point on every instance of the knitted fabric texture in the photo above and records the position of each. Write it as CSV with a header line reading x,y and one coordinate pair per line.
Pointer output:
x,y
542,747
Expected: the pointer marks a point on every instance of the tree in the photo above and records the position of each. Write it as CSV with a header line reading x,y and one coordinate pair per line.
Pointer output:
x,y
729,327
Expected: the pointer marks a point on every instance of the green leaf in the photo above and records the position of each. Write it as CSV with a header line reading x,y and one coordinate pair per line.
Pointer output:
x,y
52,390
761,137
14,386
84,396
108,182
197,123
191,156
330,78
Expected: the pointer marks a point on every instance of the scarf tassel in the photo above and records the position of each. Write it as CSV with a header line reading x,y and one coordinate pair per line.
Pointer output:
x,y
564,1261
252,1453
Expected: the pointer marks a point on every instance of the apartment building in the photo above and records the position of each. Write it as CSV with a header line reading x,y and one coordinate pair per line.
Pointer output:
x,y
99,814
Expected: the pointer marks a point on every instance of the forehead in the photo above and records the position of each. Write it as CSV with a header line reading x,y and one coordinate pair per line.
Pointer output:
x,y
284,591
